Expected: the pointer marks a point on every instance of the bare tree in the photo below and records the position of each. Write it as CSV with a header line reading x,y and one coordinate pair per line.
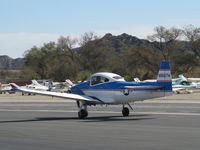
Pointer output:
x,y
165,40
86,37
192,34
66,44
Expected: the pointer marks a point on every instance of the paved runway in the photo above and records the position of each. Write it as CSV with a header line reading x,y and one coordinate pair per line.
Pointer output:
x,y
43,123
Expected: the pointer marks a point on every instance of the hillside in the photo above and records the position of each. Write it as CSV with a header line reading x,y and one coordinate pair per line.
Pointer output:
x,y
124,41
118,43
8,63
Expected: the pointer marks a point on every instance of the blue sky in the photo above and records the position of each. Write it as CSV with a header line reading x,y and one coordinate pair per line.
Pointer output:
x,y
25,23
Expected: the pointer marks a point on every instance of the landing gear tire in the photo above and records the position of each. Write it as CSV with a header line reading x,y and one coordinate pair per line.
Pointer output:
x,y
125,112
82,114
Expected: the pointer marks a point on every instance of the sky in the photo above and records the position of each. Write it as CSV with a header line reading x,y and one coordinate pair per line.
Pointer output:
x,y
28,23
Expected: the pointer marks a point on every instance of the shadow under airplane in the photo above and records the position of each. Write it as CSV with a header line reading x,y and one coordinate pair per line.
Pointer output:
x,y
89,119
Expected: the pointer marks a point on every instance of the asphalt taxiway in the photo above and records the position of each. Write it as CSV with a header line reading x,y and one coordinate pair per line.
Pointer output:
x,y
43,123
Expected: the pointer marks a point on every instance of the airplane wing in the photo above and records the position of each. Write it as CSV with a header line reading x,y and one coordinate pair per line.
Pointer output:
x,y
178,89
69,96
143,87
182,86
174,80
193,79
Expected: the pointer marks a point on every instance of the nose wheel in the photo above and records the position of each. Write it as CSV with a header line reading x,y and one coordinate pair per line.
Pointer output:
x,y
125,111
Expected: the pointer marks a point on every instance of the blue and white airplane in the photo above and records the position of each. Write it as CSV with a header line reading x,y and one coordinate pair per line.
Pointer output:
x,y
109,88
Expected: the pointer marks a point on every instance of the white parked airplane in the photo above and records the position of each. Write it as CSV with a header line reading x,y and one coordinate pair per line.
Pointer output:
x,y
183,84
5,88
110,88
190,82
35,85
180,84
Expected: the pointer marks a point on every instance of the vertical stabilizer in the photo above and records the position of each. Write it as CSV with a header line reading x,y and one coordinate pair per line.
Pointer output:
x,y
34,82
164,78
164,74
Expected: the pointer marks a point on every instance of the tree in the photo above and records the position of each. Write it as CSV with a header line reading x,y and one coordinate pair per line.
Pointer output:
x,y
66,45
185,64
94,56
56,61
140,62
165,40
192,34
40,60
6,74
87,37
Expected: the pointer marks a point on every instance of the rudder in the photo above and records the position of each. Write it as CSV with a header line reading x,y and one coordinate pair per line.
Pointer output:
x,y
164,76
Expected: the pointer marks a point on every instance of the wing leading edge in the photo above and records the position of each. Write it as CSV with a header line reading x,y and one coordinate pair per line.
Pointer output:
x,y
69,96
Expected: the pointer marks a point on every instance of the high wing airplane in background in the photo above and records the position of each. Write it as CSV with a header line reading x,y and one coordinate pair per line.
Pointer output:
x,y
109,88
35,85
180,84
5,88
183,84
191,82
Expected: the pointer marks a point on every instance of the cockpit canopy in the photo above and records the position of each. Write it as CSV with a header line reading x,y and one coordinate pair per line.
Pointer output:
x,y
103,77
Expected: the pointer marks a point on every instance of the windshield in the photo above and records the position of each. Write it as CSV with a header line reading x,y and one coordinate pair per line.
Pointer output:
x,y
98,79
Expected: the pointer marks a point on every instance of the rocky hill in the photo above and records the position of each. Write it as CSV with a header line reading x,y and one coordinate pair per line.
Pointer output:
x,y
125,41
8,63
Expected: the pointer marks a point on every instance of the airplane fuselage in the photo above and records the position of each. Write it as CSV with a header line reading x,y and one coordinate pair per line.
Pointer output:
x,y
115,93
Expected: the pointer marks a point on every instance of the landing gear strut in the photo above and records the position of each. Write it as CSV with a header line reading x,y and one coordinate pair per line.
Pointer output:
x,y
83,113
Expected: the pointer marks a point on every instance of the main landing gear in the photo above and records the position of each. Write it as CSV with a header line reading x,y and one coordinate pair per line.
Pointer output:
x,y
125,110
83,113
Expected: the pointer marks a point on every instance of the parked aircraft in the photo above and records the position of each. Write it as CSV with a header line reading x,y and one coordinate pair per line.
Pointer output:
x,y
185,85
109,88
180,84
190,82
35,85
5,88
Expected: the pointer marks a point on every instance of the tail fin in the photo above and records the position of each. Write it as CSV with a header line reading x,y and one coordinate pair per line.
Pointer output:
x,y
181,76
14,86
34,82
164,74
164,78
